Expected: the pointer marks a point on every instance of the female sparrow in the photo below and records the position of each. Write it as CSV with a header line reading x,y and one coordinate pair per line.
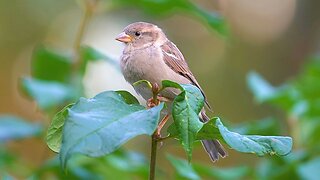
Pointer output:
x,y
150,55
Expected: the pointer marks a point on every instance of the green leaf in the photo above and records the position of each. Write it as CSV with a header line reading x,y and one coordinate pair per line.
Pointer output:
x,y
47,94
185,112
148,83
54,134
164,7
209,131
299,98
120,164
127,97
308,170
167,83
183,168
51,65
275,168
259,145
81,168
90,54
285,96
12,128
128,161
100,125
238,172
261,88
172,131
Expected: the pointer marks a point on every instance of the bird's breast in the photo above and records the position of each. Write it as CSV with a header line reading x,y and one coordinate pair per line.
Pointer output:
x,y
142,64
148,64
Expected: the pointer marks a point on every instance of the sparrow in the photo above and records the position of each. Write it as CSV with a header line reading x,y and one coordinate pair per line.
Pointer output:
x,y
150,55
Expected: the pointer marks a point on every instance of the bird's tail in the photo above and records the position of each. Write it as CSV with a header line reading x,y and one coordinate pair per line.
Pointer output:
x,y
212,147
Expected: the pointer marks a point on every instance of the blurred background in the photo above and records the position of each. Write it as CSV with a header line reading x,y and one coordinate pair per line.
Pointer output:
x,y
222,40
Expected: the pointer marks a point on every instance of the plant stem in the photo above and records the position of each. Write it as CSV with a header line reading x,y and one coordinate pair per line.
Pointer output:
x,y
154,137
293,124
90,6
153,157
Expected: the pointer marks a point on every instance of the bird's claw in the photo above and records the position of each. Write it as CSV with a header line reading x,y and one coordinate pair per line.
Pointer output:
x,y
152,102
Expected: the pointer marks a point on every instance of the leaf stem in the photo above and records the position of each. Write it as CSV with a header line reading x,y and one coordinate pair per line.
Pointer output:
x,y
153,157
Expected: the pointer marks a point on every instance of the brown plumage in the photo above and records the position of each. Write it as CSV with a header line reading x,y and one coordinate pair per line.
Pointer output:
x,y
149,55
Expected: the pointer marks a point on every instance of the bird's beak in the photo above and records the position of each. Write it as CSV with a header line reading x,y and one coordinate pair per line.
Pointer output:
x,y
123,37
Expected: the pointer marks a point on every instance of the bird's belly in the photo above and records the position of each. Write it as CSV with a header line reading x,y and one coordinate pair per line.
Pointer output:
x,y
148,65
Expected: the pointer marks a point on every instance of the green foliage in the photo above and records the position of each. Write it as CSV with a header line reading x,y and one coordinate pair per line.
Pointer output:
x,y
299,99
13,128
120,164
306,170
129,161
100,125
54,134
48,94
81,127
259,145
185,112
88,54
262,90
127,97
50,65
238,172
184,169
209,131
149,85
53,85
163,7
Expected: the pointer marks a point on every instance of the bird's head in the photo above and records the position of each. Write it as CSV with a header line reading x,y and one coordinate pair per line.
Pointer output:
x,y
141,34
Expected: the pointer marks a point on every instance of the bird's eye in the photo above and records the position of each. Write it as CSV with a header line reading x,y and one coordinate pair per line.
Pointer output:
x,y
137,33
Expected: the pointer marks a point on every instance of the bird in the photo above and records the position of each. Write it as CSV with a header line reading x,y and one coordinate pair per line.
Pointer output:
x,y
149,55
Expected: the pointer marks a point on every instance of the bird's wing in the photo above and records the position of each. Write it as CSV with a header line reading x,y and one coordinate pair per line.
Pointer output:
x,y
175,60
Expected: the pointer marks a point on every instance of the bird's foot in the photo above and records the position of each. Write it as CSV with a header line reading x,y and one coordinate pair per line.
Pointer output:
x,y
152,102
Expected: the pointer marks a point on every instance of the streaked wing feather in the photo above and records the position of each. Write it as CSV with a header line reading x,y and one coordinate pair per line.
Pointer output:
x,y
175,60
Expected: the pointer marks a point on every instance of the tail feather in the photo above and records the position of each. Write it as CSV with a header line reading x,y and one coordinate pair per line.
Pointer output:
x,y
223,153
212,147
